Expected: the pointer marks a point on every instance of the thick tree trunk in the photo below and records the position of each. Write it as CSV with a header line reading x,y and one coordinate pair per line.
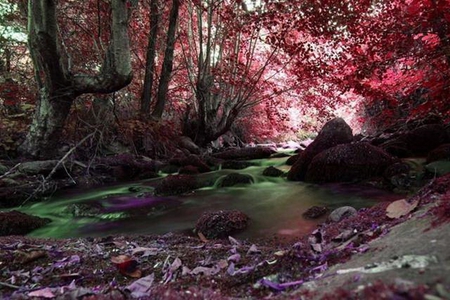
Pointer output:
x,y
58,87
166,71
150,62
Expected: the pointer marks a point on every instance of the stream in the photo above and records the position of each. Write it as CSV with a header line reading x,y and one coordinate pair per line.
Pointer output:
x,y
274,205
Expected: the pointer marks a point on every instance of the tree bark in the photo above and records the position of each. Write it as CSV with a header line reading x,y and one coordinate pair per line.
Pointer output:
x,y
150,62
166,71
58,87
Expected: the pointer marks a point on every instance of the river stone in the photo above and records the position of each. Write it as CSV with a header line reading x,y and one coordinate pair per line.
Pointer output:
x,y
272,172
315,212
342,213
91,209
177,184
333,133
235,179
221,224
18,223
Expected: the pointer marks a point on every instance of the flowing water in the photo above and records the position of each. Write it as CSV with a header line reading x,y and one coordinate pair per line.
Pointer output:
x,y
274,205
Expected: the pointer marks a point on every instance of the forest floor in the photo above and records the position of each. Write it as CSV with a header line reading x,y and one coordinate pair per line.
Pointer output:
x,y
385,252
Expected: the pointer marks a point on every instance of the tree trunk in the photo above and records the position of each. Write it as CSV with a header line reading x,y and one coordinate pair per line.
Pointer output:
x,y
58,87
151,54
166,71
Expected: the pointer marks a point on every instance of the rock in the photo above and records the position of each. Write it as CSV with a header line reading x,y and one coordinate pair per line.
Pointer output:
x,y
342,213
3,169
279,155
272,172
236,164
91,209
416,142
333,133
169,169
191,170
291,160
17,223
315,212
440,153
245,153
126,167
426,138
235,179
190,160
347,163
43,167
176,184
221,224
187,143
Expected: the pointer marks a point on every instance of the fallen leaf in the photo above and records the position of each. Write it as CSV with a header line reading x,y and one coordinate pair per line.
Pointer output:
x,y
127,266
44,293
141,287
400,208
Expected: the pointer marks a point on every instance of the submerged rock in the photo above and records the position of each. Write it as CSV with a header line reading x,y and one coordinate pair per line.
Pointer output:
x,y
342,213
235,179
176,184
315,212
272,172
91,209
18,223
221,224
348,162
333,133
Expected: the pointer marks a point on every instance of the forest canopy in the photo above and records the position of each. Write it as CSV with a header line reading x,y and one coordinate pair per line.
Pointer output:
x,y
139,72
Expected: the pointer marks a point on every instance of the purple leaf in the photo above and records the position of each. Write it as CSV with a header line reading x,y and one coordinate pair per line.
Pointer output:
x,y
141,287
253,250
235,257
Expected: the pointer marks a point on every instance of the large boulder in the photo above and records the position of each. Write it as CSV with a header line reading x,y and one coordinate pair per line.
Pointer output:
x,y
416,142
333,133
349,162
245,153
18,223
221,224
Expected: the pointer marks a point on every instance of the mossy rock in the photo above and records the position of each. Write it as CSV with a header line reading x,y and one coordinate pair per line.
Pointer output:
x,y
18,223
221,224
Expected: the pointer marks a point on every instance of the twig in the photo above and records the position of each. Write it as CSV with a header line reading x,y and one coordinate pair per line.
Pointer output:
x,y
9,285
10,170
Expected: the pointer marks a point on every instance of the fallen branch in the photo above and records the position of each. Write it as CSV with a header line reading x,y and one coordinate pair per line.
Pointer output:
x,y
46,179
